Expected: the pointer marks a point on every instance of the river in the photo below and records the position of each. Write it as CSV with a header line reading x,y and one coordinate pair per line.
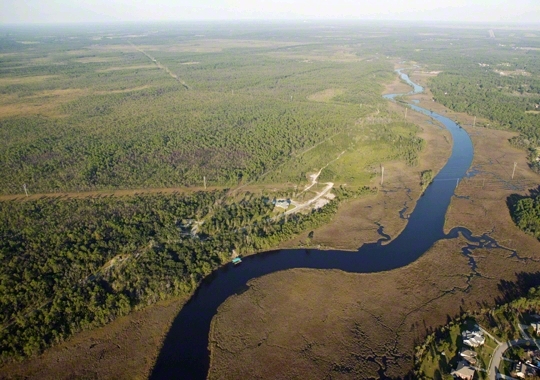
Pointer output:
x,y
185,353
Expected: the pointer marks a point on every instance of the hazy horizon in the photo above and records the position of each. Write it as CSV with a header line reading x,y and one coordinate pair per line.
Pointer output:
x,y
106,11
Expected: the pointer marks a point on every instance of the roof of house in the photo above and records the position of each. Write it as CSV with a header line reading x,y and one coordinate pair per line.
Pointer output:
x,y
473,338
283,203
469,353
463,370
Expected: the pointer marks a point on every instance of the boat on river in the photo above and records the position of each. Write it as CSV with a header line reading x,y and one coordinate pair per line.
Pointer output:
x,y
236,260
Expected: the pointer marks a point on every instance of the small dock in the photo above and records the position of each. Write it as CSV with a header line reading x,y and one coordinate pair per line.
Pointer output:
x,y
236,260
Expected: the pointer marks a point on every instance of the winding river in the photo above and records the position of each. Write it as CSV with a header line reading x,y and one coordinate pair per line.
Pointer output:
x,y
185,353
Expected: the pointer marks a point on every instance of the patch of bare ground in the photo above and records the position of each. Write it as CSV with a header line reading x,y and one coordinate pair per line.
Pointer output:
x,y
338,53
40,103
119,68
6,81
325,95
96,59
124,349
123,90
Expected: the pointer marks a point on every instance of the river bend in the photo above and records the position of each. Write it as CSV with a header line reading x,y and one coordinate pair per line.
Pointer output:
x,y
185,354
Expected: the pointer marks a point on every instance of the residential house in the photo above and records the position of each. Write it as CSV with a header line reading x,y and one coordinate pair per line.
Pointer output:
x,y
469,356
463,371
283,203
473,338
519,370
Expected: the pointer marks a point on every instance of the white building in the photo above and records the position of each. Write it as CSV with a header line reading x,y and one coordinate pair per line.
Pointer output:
x,y
473,338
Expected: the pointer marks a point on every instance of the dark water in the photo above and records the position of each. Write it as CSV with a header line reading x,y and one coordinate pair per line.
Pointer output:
x,y
185,355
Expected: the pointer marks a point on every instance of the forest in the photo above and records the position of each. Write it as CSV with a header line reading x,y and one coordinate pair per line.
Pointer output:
x,y
525,212
81,115
74,264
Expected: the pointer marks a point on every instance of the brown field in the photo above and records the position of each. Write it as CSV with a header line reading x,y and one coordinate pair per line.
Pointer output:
x,y
122,90
337,56
97,59
78,52
118,68
43,102
325,95
6,81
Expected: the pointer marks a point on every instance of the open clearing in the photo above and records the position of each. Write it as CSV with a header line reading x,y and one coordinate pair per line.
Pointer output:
x,y
325,95
119,68
6,81
121,91
97,59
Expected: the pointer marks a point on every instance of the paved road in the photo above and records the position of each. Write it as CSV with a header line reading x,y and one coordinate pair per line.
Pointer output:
x,y
493,370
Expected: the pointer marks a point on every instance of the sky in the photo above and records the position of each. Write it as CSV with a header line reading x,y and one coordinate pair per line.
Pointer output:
x,y
79,11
